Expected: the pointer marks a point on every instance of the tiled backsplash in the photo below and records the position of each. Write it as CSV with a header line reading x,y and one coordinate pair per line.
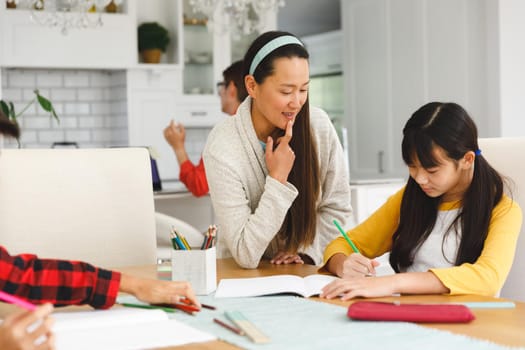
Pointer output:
x,y
91,105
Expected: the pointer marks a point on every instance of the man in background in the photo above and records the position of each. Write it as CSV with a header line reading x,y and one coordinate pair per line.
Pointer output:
x,y
232,92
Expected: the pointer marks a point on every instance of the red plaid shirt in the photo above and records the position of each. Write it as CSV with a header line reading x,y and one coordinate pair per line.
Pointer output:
x,y
194,177
60,282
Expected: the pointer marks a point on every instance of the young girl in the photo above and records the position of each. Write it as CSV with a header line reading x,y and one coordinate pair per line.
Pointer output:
x,y
450,230
276,170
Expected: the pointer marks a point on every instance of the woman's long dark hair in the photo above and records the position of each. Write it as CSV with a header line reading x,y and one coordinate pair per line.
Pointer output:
x,y
448,126
299,226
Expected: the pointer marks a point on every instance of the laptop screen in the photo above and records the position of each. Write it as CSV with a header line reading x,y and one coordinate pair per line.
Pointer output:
x,y
157,186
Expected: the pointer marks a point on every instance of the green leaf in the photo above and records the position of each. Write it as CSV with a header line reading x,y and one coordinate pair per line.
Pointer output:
x,y
44,102
54,114
12,114
4,108
8,109
46,105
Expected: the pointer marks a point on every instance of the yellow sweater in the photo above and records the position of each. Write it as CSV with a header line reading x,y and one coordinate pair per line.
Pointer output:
x,y
486,276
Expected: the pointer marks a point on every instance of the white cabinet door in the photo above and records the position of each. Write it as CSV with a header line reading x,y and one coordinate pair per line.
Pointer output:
x,y
366,199
399,55
152,104
325,51
366,68
154,100
28,44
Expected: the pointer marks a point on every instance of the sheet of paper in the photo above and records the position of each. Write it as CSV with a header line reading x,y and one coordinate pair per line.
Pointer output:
x,y
122,328
314,283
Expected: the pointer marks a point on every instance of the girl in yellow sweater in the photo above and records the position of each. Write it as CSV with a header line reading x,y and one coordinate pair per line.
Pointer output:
x,y
451,229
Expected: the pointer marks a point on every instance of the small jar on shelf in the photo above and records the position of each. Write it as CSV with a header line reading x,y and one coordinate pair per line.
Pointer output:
x,y
112,7
10,4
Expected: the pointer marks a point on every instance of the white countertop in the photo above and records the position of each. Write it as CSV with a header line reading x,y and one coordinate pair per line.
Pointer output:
x,y
377,181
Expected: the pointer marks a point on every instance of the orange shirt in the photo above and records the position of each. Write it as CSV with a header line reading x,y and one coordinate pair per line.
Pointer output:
x,y
194,177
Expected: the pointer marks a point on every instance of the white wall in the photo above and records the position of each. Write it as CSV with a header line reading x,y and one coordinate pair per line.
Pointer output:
x,y
511,20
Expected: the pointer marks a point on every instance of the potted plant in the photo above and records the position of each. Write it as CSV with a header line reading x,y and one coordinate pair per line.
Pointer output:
x,y
8,109
153,40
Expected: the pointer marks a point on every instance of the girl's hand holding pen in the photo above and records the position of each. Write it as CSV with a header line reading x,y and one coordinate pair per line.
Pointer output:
x,y
354,265
357,265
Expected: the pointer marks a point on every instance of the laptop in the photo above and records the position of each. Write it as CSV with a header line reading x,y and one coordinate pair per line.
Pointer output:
x,y
159,186
155,178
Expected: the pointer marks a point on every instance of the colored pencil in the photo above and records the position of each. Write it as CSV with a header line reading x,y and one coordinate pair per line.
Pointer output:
x,y
227,326
348,240
17,301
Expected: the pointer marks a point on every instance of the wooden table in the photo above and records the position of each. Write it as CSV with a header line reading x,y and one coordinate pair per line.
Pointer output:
x,y
502,326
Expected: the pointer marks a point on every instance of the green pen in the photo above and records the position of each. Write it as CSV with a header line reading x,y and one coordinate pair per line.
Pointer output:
x,y
143,306
354,248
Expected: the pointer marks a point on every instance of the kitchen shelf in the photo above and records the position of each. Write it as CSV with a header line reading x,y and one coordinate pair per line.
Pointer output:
x,y
157,66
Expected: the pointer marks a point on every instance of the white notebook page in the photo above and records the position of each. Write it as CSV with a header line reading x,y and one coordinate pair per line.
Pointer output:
x,y
122,328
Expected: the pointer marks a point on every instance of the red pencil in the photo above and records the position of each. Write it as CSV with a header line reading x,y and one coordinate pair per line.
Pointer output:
x,y
189,309
227,326
188,302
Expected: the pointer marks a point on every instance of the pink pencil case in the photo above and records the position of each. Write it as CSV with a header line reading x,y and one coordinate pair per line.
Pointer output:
x,y
423,313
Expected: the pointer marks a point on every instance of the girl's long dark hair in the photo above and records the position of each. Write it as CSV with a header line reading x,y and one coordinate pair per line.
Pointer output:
x,y
448,126
299,226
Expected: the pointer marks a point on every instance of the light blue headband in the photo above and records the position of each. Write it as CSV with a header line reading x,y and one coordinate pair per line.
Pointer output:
x,y
270,46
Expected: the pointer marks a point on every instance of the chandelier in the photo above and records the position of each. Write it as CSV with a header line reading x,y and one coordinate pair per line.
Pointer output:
x,y
241,17
66,14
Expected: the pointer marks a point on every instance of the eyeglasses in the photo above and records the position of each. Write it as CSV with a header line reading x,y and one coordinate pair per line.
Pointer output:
x,y
221,86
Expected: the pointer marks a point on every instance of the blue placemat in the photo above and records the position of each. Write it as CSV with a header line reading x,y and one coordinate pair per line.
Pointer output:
x,y
298,323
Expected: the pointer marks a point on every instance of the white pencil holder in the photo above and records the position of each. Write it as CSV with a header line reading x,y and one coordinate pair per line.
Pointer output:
x,y
199,267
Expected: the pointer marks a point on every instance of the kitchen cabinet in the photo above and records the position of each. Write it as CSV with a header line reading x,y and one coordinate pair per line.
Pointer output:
x,y
154,98
399,55
368,196
25,43
198,60
325,51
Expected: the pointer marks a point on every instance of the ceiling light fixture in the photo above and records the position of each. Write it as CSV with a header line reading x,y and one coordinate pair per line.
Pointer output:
x,y
242,17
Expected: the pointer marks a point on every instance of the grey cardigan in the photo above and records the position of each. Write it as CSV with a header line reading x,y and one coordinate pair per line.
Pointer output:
x,y
250,206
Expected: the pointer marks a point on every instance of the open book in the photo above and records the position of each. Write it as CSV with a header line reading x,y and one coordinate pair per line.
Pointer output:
x,y
290,284
283,284
122,328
